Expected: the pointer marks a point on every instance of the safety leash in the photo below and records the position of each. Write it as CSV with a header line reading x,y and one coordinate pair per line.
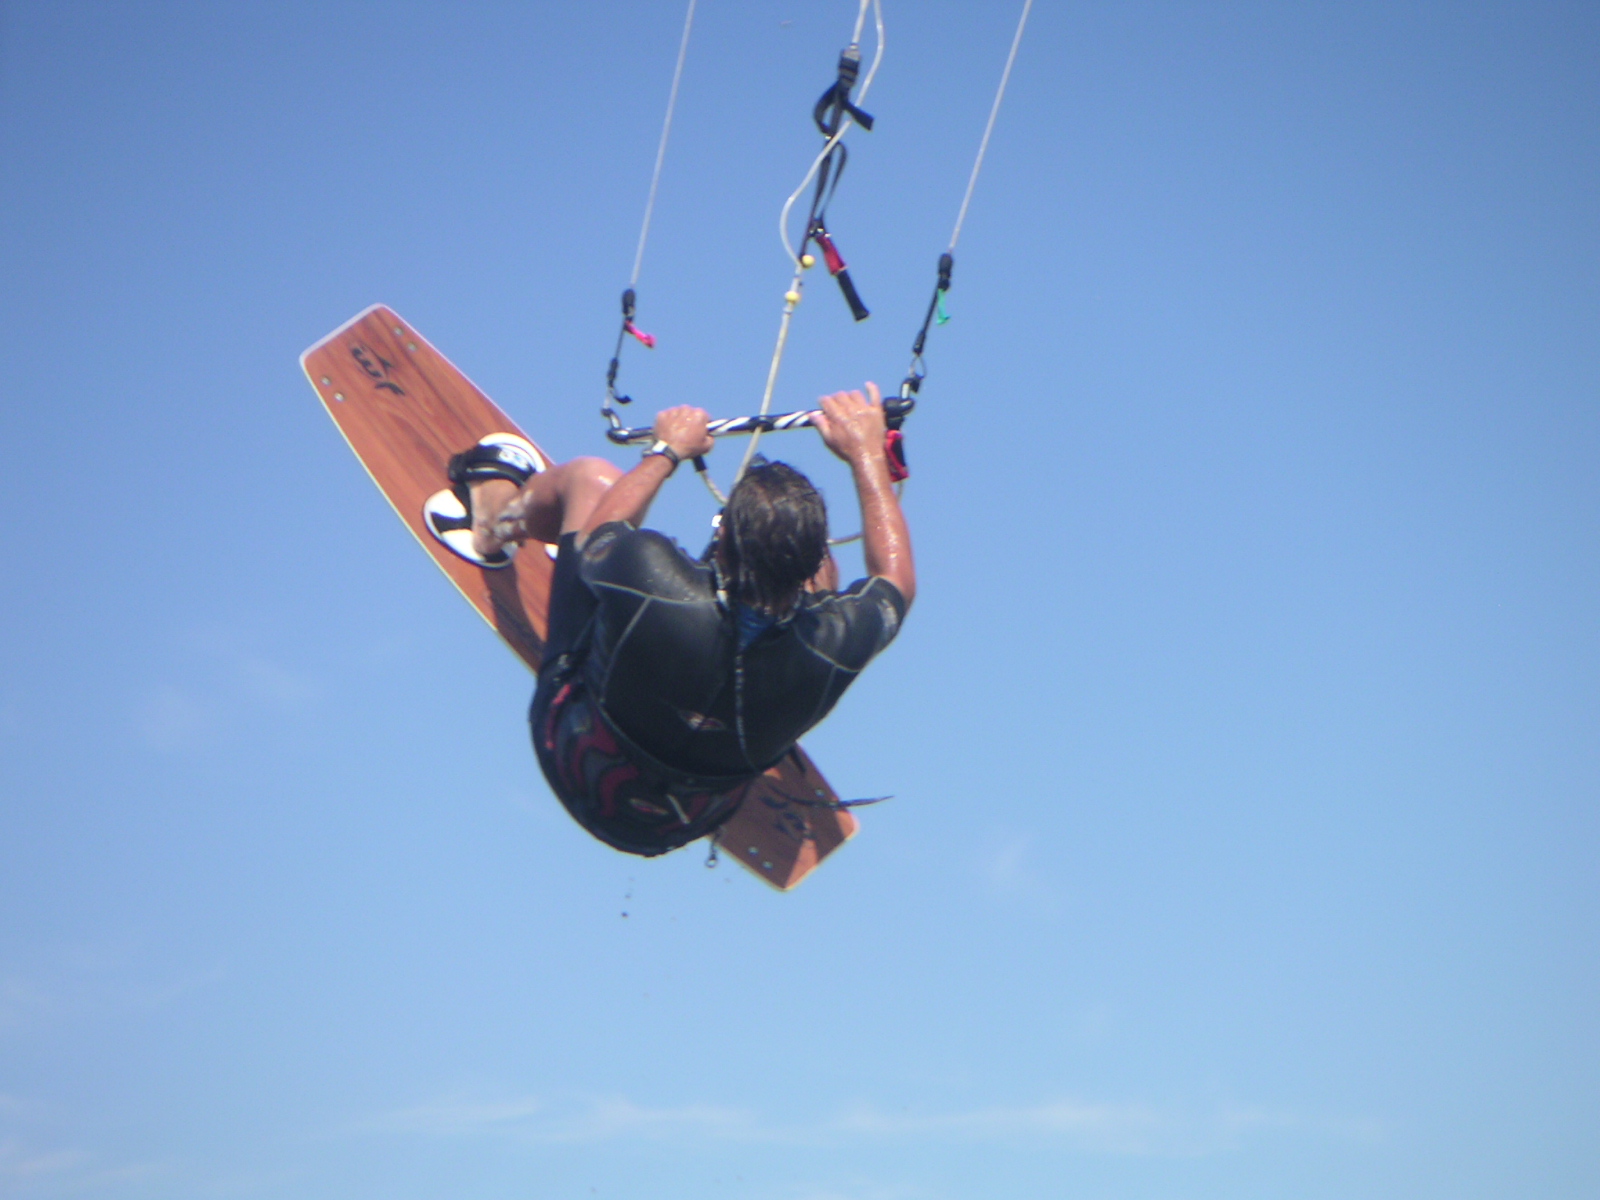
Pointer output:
x,y
829,116
835,111
834,115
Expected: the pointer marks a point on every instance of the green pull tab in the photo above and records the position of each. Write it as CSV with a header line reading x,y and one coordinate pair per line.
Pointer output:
x,y
942,317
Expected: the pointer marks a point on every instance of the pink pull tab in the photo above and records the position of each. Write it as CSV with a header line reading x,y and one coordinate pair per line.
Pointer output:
x,y
894,450
649,339
830,252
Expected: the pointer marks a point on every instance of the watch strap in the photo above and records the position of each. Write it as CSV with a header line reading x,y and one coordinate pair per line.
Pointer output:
x,y
665,451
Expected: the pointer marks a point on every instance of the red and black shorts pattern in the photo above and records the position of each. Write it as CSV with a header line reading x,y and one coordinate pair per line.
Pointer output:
x,y
629,807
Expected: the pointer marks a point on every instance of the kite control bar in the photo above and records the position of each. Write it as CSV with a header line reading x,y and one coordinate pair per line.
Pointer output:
x,y
894,407
722,427
894,410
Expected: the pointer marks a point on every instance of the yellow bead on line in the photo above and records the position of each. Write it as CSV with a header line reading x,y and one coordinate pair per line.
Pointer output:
x,y
792,297
808,261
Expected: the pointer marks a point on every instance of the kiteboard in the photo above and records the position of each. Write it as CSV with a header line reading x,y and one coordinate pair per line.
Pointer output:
x,y
405,409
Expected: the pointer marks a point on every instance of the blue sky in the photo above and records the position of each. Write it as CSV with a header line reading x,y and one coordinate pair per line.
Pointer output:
x,y
1243,739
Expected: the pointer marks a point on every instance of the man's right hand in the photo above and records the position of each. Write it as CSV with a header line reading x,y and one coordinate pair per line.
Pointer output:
x,y
852,425
684,429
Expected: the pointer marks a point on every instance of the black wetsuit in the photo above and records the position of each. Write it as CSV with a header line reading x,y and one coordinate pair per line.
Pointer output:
x,y
657,701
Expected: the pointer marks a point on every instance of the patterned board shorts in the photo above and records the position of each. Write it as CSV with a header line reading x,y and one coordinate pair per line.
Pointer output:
x,y
630,807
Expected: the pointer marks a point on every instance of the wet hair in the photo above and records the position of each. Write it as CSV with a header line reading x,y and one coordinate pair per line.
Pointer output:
x,y
774,536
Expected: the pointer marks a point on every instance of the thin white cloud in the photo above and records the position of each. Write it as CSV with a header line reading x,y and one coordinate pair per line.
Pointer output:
x,y
258,677
18,1162
166,718
266,680
92,979
1007,868
1062,1123
1248,1120
1107,1128
173,717
65,1171
456,1116
867,1191
26,1166
1093,1126
531,1119
152,994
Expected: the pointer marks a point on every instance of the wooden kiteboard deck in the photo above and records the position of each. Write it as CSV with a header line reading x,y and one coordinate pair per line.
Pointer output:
x,y
405,409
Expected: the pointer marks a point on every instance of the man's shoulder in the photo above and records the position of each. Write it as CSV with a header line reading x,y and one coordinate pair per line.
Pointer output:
x,y
852,625
874,591
645,560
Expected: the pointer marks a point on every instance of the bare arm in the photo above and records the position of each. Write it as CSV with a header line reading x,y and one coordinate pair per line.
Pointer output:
x,y
628,499
853,427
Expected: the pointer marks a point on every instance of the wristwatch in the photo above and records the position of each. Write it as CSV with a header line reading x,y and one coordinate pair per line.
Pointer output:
x,y
665,451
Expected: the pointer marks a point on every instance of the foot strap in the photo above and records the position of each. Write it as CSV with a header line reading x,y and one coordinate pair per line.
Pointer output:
x,y
448,514
498,456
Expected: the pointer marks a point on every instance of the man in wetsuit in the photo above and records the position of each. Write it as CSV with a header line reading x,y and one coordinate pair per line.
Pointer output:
x,y
669,683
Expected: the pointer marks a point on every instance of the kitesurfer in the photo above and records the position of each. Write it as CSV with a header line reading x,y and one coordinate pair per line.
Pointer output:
x,y
669,683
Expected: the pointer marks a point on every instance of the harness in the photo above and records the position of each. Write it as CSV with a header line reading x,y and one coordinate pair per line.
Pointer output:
x,y
562,676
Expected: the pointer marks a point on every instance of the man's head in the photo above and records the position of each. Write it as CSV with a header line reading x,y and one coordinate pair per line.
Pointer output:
x,y
774,536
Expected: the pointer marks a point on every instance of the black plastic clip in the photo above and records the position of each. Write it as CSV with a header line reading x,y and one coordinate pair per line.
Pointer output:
x,y
837,97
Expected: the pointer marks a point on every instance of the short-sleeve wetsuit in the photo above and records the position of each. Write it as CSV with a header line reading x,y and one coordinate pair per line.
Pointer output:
x,y
658,700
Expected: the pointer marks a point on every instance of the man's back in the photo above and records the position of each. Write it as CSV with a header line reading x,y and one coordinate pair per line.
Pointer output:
x,y
713,691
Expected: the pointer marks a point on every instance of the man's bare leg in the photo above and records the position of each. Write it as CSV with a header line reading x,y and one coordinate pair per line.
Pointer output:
x,y
571,496
551,503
